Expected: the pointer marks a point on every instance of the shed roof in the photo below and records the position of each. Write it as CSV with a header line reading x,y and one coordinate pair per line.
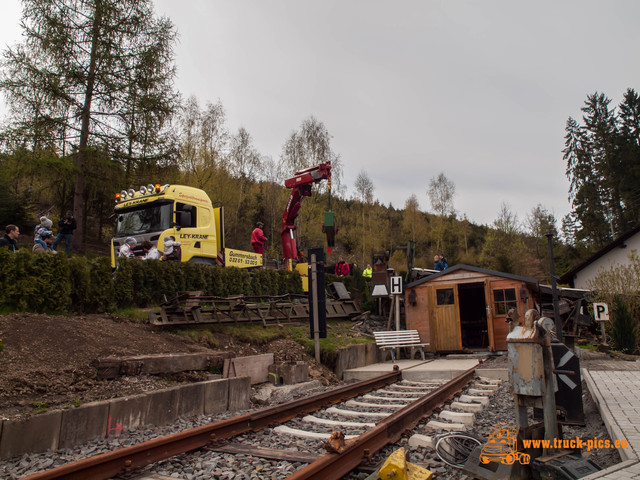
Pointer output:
x,y
470,268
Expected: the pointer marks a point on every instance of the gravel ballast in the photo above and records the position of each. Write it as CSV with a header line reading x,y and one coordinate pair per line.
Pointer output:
x,y
207,464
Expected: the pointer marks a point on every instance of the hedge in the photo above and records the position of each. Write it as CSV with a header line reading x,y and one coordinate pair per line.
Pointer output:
x,y
41,282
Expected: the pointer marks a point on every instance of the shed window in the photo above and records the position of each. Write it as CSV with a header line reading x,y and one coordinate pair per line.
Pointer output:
x,y
445,296
504,299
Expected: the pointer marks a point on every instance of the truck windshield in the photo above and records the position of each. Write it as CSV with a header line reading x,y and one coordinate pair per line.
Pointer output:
x,y
144,219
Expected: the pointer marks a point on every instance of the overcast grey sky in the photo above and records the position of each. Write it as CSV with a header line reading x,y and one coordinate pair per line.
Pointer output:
x,y
478,90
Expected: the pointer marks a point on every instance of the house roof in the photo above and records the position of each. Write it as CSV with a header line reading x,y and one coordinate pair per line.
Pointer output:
x,y
564,292
568,277
470,268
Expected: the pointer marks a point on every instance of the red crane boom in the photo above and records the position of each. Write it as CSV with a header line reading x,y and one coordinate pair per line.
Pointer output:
x,y
300,185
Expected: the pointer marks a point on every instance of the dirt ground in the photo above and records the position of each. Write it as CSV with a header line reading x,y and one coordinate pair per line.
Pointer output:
x,y
46,362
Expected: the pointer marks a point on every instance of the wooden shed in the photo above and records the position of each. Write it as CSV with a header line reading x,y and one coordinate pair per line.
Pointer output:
x,y
465,308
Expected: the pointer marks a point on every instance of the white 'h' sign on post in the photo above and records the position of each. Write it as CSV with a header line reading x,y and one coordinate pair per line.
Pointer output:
x,y
396,285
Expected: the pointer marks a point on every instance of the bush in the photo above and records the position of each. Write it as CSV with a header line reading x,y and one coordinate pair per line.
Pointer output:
x,y
35,282
57,284
624,328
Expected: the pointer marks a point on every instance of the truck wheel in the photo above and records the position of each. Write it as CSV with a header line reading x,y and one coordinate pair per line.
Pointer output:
x,y
509,459
484,460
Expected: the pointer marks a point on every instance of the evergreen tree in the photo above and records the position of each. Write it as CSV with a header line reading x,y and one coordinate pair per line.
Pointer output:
x,y
624,328
603,166
91,75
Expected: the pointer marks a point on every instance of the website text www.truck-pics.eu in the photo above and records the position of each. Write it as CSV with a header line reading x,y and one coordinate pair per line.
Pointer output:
x,y
577,442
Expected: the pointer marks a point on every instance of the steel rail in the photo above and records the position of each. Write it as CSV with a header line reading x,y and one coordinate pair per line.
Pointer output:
x,y
388,430
109,464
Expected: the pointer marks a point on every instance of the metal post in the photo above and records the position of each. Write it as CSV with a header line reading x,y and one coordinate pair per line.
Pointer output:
x,y
554,289
397,298
314,296
604,336
549,399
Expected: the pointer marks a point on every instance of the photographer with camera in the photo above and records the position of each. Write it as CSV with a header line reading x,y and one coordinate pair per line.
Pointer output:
x,y
67,225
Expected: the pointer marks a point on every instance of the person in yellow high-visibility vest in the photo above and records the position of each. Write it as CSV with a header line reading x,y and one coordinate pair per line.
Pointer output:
x,y
366,273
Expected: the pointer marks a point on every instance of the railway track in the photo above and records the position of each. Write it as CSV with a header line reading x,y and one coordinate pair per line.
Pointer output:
x,y
371,414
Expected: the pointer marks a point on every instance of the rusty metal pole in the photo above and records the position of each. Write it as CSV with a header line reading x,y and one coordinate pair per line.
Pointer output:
x,y
554,289
549,399
314,296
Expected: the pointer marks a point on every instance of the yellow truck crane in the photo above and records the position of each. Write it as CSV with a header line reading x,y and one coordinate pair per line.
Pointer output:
x,y
186,213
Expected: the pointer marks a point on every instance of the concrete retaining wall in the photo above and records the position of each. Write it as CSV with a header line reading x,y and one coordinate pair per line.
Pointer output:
x,y
111,367
66,428
356,356
255,366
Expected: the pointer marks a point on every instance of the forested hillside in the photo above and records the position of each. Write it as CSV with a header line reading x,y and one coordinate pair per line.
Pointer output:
x,y
94,110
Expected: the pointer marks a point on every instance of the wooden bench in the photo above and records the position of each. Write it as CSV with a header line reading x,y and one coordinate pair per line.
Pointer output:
x,y
399,339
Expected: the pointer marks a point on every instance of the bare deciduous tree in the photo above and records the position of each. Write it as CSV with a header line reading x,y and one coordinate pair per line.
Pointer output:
x,y
364,188
441,192
311,145
203,141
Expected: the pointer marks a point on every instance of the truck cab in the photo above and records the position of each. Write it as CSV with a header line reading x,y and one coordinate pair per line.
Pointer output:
x,y
157,211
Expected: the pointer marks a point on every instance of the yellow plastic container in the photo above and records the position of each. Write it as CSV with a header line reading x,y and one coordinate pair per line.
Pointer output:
x,y
396,467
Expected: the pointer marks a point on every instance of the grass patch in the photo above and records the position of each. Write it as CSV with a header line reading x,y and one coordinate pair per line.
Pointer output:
x,y
588,346
40,407
202,335
134,313
254,333
339,334
6,310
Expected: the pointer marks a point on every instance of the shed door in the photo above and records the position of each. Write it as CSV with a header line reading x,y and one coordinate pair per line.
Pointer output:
x,y
444,318
504,295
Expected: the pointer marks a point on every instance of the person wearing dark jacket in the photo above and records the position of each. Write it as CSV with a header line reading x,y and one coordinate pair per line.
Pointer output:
x,y
67,225
10,239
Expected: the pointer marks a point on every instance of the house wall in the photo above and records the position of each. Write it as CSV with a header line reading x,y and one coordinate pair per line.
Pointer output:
x,y
617,256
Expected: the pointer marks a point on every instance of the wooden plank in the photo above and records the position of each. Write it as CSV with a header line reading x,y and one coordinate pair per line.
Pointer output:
x,y
397,335
394,333
271,453
387,337
398,339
